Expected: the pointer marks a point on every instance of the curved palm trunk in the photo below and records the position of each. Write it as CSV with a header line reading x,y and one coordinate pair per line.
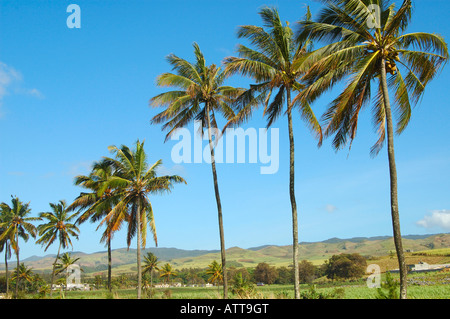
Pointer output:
x,y
219,208
6,268
109,264
393,179
151,278
53,271
17,269
139,279
293,202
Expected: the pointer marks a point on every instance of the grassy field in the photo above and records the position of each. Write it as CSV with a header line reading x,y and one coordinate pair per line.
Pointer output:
x,y
445,252
433,285
266,292
422,286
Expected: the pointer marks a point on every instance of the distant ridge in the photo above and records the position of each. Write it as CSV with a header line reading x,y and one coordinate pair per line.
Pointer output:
x,y
335,240
361,239
124,260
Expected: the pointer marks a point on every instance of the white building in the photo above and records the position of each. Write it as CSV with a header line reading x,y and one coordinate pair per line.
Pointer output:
x,y
424,267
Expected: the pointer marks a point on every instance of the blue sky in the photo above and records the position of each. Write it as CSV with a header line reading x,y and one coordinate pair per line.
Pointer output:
x,y
67,94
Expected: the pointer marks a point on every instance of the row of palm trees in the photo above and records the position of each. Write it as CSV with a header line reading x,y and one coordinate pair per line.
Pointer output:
x,y
16,223
167,271
151,264
117,194
373,54
26,277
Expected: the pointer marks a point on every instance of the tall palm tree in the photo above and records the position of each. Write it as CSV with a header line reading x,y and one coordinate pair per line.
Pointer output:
x,y
58,227
134,182
93,206
5,246
167,272
150,264
201,95
366,48
276,64
17,225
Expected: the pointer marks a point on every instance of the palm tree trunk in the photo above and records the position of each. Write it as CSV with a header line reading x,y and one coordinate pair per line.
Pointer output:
x,y
219,207
151,278
109,264
6,268
17,269
138,219
292,197
53,271
393,179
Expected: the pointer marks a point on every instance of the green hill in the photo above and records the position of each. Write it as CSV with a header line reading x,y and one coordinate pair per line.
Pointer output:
x,y
124,261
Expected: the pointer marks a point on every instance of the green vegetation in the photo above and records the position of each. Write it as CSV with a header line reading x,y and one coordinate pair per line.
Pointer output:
x,y
434,252
336,290
57,227
169,282
16,224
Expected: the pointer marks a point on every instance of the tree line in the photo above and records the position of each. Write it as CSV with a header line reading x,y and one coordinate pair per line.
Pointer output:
x,y
290,70
338,267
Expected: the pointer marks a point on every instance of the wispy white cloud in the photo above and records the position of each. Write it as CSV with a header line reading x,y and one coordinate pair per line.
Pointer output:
x,y
31,92
8,75
10,82
174,170
437,219
16,173
78,168
330,208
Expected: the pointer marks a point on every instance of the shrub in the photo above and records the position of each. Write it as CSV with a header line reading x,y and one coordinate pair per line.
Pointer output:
x,y
389,288
242,287
312,293
167,294
345,266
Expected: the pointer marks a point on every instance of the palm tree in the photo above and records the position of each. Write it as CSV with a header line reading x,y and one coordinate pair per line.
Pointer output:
x,y
123,280
402,62
242,286
276,64
150,264
24,274
5,246
17,225
58,227
167,271
134,181
215,270
64,262
98,281
200,96
95,207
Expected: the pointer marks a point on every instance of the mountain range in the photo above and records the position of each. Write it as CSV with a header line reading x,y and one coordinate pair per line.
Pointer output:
x,y
124,260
